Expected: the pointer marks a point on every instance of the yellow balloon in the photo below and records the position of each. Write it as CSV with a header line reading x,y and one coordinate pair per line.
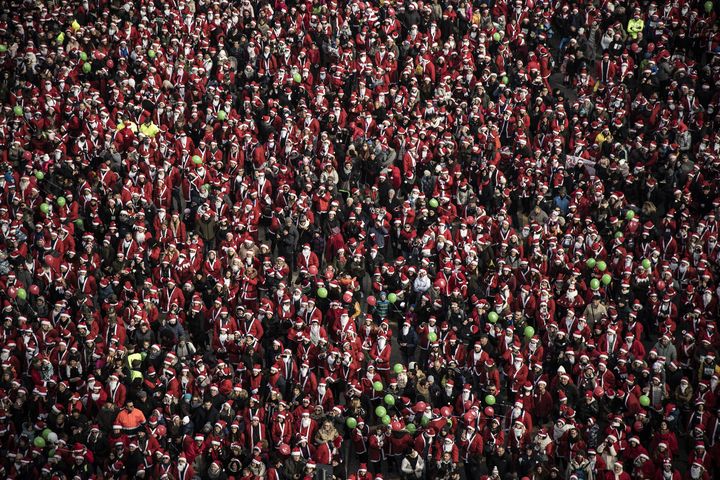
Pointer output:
x,y
75,25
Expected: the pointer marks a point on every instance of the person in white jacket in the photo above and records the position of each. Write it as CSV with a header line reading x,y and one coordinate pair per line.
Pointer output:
x,y
412,465
422,283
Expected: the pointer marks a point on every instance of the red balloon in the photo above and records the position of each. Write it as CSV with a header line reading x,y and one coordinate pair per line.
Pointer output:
x,y
12,292
284,449
312,270
347,297
371,301
599,392
440,283
469,418
446,411
420,407
34,289
160,431
396,426
489,412
660,285
48,259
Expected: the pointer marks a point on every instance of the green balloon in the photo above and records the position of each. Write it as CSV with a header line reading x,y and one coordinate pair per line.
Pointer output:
x,y
529,332
424,421
378,386
392,298
398,368
432,336
151,53
18,110
644,400
380,411
21,293
39,442
79,222
601,265
222,115
433,203
708,6
496,36
505,80
297,78
490,399
591,263
386,420
3,48
322,292
389,400
606,279
45,433
646,264
351,422
39,175
196,159
594,284
411,428
619,235
630,215
492,317
87,68
61,201
44,207
83,56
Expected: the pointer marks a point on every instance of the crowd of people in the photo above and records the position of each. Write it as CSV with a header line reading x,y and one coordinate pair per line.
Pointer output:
x,y
362,239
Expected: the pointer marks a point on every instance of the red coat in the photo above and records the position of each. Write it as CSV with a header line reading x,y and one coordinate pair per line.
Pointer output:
x,y
186,473
399,445
323,454
493,439
191,449
117,395
307,432
359,437
252,327
308,383
632,404
471,447
612,476
303,263
253,435
518,377
376,450
281,432
381,358
542,404
454,453
517,444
